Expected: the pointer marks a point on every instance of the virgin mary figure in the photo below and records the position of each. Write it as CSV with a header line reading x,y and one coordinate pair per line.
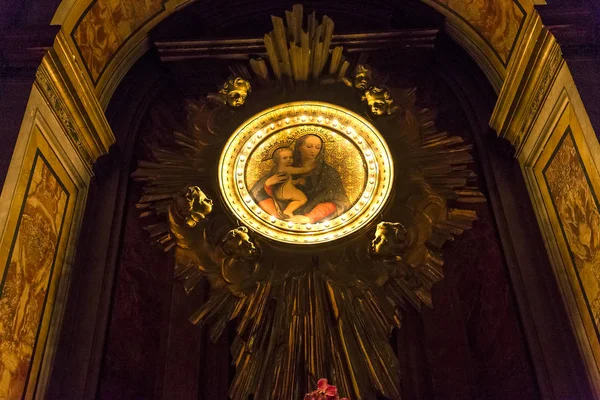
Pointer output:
x,y
322,185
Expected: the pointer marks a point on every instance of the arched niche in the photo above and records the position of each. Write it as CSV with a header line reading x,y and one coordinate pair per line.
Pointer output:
x,y
107,88
514,244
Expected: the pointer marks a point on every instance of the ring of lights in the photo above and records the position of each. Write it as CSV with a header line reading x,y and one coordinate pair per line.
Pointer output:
x,y
248,137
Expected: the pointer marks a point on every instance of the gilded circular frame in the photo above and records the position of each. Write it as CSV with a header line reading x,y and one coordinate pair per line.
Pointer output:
x,y
352,172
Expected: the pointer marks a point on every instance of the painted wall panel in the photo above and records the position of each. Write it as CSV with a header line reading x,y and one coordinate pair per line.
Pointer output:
x,y
32,252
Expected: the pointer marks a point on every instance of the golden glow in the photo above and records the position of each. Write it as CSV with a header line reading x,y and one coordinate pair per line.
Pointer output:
x,y
350,145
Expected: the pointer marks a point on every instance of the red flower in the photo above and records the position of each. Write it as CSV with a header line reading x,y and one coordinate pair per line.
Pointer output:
x,y
324,391
328,390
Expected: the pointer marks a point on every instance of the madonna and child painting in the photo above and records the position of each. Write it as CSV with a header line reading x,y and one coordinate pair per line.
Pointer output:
x,y
302,186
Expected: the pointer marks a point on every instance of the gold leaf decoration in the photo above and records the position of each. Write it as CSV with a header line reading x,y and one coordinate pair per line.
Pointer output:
x,y
328,310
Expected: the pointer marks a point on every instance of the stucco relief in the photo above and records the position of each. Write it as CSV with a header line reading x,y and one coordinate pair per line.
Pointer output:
x,y
498,21
27,277
579,215
106,25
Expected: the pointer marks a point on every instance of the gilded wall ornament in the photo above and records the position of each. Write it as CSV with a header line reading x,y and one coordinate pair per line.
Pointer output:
x,y
294,245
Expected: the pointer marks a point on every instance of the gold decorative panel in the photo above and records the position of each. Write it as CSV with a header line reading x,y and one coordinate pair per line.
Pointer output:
x,y
567,181
32,250
498,22
106,25
578,216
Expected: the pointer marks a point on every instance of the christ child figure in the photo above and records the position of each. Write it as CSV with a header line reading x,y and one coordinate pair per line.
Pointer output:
x,y
286,191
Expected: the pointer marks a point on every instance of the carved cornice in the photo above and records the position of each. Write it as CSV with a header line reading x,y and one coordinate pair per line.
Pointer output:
x,y
403,40
74,104
530,78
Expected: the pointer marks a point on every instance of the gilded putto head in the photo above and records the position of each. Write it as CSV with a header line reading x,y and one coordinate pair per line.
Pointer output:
x,y
193,204
235,90
390,240
380,102
363,76
238,244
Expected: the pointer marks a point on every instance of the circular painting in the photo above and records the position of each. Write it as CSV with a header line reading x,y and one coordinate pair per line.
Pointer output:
x,y
305,172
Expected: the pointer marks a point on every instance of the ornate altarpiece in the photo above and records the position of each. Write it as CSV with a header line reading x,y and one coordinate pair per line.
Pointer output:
x,y
312,193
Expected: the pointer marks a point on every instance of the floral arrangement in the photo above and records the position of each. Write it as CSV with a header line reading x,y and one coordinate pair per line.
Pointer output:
x,y
324,391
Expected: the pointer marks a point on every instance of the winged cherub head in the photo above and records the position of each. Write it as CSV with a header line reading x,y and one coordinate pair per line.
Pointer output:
x,y
379,100
193,205
363,76
390,240
235,90
237,244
